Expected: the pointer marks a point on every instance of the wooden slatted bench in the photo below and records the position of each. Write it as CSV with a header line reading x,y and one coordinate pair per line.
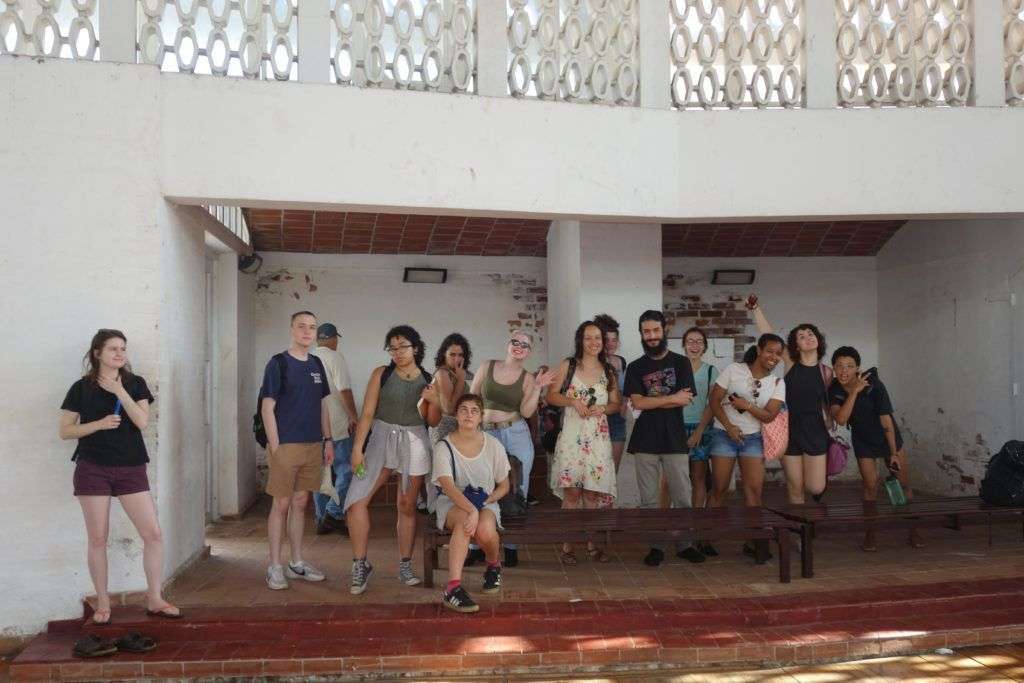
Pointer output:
x,y
951,513
636,525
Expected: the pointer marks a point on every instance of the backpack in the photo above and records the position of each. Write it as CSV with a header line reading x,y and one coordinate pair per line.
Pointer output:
x,y
1004,476
258,429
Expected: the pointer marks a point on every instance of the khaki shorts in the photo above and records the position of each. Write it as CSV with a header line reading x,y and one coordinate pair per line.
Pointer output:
x,y
295,467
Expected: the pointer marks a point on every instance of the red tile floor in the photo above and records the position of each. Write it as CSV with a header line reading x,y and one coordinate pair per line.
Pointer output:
x,y
617,618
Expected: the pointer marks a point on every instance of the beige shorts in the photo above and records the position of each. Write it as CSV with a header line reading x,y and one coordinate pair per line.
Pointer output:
x,y
295,467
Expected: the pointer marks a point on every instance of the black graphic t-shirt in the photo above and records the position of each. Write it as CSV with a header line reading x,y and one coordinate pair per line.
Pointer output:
x,y
660,430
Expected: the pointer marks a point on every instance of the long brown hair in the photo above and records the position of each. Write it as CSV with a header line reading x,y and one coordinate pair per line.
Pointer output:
x,y
91,362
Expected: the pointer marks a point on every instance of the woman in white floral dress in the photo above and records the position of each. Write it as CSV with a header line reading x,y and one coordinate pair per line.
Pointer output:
x,y
582,471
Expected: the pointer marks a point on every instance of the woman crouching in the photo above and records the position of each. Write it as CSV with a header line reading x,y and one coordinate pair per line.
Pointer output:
x,y
471,472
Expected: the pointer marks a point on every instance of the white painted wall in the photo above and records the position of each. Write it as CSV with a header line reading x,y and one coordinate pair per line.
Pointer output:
x,y
81,250
364,295
951,344
180,485
839,295
572,161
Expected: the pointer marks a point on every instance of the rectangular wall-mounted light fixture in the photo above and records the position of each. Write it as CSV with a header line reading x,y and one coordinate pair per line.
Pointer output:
x,y
429,276
733,277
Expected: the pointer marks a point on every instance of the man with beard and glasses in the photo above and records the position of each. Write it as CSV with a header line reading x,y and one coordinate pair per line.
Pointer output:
x,y
659,384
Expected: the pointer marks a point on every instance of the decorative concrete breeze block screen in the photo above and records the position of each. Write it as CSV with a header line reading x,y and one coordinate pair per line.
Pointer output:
x,y
250,38
411,44
49,28
577,50
904,52
1013,36
737,53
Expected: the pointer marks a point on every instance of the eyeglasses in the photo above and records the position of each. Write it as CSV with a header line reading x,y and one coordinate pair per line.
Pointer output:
x,y
695,341
471,411
397,349
520,344
757,387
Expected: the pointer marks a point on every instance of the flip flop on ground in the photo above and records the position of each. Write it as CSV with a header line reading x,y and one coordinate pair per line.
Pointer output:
x,y
93,646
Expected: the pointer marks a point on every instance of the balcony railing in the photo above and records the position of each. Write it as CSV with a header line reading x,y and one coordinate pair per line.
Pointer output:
x,y
681,54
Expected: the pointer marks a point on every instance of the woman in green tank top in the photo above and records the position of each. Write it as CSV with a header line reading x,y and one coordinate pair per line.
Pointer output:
x,y
398,443
510,395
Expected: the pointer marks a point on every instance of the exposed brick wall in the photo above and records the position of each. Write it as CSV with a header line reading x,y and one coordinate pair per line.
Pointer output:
x,y
532,301
718,315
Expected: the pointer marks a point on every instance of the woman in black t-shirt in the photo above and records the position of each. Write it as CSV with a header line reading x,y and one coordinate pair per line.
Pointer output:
x,y
807,380
861,401
106,411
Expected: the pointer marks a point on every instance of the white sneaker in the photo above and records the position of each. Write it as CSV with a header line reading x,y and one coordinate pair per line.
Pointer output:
x,y
303,570
275,578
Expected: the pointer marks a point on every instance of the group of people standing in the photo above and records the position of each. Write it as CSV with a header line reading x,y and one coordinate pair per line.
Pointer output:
x,y
449,435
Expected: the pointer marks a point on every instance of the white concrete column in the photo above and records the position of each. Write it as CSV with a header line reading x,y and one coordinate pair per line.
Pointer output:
x,y
820,61
612,268
989,75
315,41
655,75
621,276
491,48
564,277
118,27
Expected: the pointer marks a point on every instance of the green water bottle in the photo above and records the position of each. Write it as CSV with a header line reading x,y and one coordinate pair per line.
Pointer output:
x,y
894,490
359,470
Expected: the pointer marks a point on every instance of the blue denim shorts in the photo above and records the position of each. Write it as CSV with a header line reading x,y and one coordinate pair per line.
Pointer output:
x,y
724,447
701,451
617,428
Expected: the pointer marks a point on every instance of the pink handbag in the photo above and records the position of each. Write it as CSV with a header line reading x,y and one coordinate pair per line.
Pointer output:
x,y
838,452
775,436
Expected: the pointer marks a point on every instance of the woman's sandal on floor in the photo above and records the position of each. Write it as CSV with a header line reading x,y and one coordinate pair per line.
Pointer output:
x,y
168,611
93,646
598,555
135,642
568,558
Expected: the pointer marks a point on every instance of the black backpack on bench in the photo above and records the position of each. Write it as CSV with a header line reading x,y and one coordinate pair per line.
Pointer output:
x,y
1004,476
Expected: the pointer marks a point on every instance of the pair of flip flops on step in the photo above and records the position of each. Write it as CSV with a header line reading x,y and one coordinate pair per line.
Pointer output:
x,y
94,646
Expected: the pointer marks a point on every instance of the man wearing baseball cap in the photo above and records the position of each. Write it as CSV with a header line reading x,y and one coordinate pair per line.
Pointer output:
x,y
342,409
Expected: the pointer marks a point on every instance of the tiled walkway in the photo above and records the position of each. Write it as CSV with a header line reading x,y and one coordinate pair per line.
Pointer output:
x,y
613,619
233,574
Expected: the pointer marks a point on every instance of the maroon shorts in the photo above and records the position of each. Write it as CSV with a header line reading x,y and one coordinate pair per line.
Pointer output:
x,y
103,480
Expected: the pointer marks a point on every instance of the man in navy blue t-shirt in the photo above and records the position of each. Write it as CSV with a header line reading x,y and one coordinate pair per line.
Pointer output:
x,y
297,422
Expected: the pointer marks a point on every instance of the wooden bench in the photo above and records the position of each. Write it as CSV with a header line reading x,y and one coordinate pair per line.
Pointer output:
x,y
636,525
951,513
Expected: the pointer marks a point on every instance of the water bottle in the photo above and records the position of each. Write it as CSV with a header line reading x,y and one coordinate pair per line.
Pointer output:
x,y
894,490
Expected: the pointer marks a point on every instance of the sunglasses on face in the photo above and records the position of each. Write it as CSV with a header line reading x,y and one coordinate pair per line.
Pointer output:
x,y
757,388
397,349
520,344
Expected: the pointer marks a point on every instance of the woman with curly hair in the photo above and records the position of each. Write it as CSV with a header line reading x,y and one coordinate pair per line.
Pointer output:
x,y
807,381
399,443
451,381
582,472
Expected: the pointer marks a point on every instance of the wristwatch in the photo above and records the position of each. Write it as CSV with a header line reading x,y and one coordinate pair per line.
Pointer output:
x,y
327,439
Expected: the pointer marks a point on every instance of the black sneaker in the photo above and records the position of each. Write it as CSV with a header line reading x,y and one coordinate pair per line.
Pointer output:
x,y
327,524
492,580
654,557
531,501
458,600
691,554
473,556
706,549
511,557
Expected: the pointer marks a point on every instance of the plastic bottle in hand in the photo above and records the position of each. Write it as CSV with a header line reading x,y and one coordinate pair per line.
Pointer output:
x,y
359,470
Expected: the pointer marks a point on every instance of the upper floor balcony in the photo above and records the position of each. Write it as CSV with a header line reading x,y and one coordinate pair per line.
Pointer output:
x,y
677,102
672,54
